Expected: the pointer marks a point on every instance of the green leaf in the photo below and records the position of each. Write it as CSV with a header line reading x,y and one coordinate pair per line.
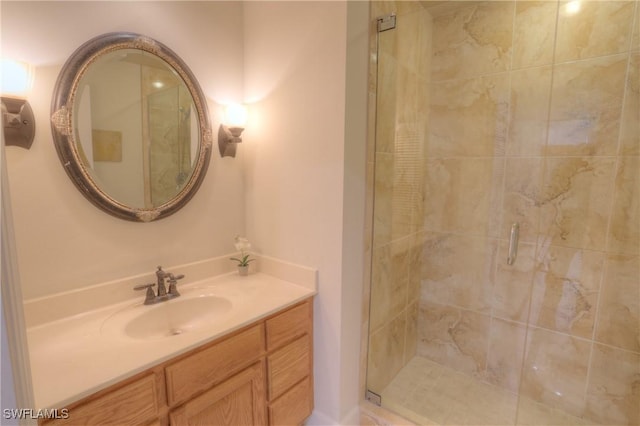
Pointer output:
x,y
244,261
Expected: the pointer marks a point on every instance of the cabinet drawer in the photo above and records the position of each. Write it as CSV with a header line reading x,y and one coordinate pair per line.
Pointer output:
x,y
289,365
294,406
135,403
205,368
288,325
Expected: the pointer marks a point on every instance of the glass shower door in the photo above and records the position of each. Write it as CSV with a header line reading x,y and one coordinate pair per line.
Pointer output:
x,y
490,125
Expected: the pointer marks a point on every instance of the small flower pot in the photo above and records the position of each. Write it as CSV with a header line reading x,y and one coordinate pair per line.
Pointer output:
x,y
243,270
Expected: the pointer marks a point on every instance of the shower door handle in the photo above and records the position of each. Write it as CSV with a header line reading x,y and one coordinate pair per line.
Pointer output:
x,y
513,243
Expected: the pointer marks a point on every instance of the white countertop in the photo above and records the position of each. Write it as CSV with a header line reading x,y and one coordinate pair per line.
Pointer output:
x,y
76,356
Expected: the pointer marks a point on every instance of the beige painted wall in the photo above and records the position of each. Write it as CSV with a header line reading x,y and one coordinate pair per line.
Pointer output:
x,y
63,241
303,178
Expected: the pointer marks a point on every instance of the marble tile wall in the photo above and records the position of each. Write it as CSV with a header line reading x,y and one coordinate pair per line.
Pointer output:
x,y
396,159
491,113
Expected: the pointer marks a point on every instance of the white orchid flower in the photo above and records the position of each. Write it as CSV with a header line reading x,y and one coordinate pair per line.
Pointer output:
x,y
242,245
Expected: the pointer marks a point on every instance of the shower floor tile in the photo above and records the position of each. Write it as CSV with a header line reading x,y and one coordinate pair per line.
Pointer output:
x,y
428,393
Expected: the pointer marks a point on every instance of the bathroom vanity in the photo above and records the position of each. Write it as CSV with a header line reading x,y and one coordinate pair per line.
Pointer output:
x,y
261,374
248,363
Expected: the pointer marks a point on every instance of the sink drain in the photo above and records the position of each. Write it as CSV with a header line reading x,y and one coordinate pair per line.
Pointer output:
x,y
175,331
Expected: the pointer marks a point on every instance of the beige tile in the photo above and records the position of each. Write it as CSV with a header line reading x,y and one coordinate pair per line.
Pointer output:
x,y
630,128
368,220
512,289
613,396
468,117
389,282
506,348
428,392
619,311
379,416
490,405
443,279
555,370
473,40
368,420
598,28
399,7
576,201
385,354
364,353
471,202
624,231
393,198
416,249
635,39
530,93
565,290
411,333
419,201
383,232
408,176
534,36
532,413
412,101
453,337
371,128
415,35
586,106
523,181
387,93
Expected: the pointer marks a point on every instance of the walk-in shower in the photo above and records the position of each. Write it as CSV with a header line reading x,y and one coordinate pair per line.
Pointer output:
x,y
505,247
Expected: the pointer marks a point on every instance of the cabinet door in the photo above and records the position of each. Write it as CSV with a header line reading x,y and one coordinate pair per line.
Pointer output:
x,y
135,403
237,401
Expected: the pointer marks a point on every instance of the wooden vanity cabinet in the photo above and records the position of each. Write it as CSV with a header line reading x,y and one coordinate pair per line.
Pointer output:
x,y
136,401
261,374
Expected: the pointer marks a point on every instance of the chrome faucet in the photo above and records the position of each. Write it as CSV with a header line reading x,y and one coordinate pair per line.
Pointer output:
x,y
160,275
152,298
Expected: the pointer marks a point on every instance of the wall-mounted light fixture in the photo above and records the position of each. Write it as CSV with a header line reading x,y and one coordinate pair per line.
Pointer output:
x,y
18,123
235,118
571,8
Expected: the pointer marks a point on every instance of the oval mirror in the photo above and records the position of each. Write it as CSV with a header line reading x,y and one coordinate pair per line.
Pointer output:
x,y
131,126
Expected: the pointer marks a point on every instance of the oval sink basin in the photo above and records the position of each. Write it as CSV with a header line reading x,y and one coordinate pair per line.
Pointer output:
x,y
167,319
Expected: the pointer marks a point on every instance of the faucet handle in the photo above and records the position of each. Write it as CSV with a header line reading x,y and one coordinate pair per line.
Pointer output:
x,y
173,281
175,277
149,296
144,286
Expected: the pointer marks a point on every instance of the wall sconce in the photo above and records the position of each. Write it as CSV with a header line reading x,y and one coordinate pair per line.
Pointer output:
x,y
18,123
235,118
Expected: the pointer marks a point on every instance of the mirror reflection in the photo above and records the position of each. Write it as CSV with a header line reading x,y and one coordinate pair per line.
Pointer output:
x,y
137,135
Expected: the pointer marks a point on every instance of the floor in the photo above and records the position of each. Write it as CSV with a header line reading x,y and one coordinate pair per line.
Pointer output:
x,y
428,393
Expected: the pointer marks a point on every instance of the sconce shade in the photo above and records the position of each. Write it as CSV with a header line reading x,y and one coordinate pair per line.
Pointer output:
x,y
235,115
18,123
17,78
